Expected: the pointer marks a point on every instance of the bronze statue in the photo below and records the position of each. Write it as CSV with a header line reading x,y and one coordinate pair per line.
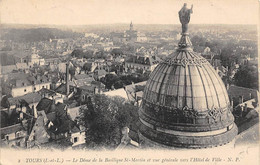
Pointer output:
x,y
184,15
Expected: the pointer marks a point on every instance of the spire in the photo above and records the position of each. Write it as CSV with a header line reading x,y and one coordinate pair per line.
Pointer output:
x,y
131,26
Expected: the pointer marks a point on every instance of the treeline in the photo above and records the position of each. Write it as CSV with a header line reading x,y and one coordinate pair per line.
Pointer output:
x,y
37,34
230,51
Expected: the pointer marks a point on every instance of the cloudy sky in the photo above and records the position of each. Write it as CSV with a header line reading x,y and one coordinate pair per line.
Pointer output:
x,y
76,12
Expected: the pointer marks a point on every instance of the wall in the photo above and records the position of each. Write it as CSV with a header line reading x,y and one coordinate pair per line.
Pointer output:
x,y
29,89
80,136
20,91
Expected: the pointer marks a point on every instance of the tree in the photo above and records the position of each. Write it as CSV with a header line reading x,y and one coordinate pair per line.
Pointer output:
x,y
77,53
109,80
228,55
117,51
86,67
247,76
89,54
103,119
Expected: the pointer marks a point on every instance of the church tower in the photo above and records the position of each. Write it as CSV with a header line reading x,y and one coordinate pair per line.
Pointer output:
x,y
185,103
131,26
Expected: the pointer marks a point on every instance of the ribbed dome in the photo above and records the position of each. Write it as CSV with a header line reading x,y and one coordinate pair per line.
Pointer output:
x,y
185,103
186,80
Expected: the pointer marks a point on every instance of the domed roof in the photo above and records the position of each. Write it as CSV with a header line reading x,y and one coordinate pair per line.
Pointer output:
x,y
186,79
185,102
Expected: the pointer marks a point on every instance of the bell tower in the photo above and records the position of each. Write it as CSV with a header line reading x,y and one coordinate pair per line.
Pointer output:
x,y
131,26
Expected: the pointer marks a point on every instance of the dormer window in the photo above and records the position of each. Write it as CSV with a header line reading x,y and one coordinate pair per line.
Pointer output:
x,y
17,135
7,137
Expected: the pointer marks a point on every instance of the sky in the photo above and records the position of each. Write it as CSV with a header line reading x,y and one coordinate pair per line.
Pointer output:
x,y
82,12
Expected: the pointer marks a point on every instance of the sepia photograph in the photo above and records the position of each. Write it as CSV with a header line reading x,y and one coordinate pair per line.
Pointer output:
x,y
129,82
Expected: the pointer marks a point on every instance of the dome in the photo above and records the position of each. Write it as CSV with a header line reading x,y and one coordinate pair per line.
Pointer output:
x,y
185,103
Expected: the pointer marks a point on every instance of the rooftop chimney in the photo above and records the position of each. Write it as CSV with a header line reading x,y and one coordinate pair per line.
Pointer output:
x,y
67,79
35,115
241,99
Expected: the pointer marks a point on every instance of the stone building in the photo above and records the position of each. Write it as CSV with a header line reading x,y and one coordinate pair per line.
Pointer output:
x,y
141,62
130,35
185,103
25,84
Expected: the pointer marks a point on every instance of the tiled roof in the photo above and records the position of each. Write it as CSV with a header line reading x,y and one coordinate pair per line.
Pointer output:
x,y
236,91
82,76
51,116
60,109
75,129
144,60
29,98
44,104
11,129
62,89
101,72
47,91
82,82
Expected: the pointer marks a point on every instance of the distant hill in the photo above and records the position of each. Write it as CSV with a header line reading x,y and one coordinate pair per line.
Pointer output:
x,y
35,34
120,27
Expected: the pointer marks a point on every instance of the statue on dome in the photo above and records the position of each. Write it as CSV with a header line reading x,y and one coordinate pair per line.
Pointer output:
x,y
184,15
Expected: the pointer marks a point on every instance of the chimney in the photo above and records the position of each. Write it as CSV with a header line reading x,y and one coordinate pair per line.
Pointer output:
x,y
241,99
67,79
35,115
21,116
250,96
227,86
232,103
245,108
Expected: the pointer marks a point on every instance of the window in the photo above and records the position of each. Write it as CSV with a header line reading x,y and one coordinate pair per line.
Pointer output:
x,y
34,88
34,137
42,86
75,139
24,90
17,134
22,83
6,137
